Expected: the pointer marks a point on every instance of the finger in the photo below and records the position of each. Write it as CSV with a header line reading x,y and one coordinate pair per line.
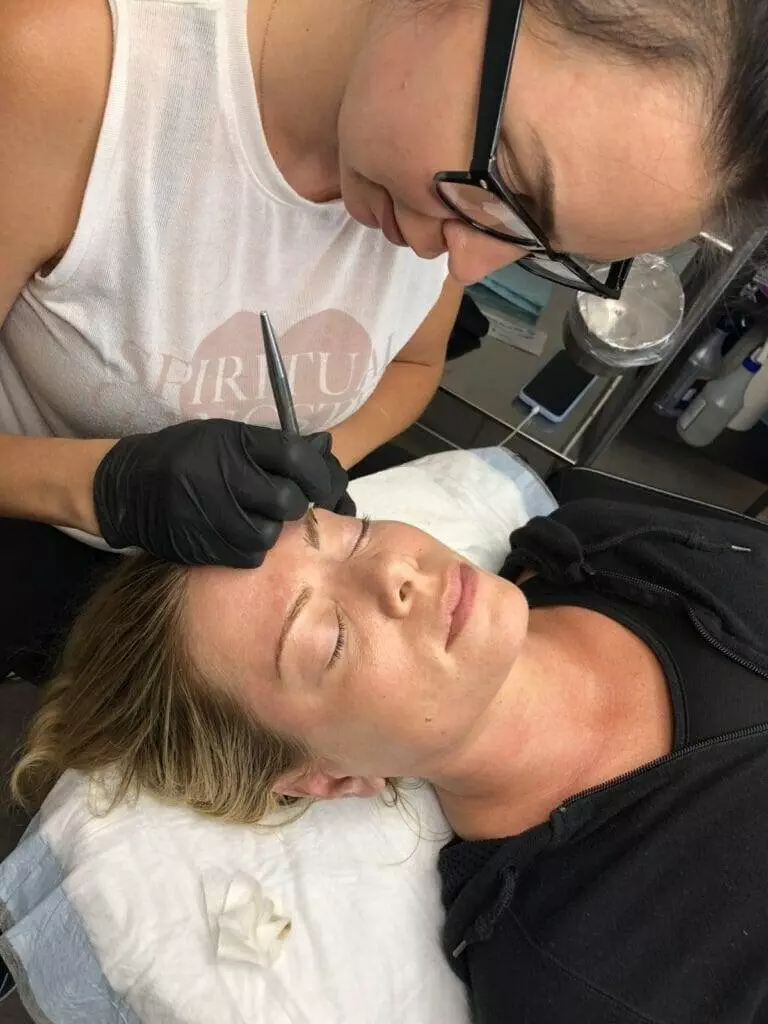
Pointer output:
x,y
223,533
321,442
294,458
273,498
197,549
339,484
345,506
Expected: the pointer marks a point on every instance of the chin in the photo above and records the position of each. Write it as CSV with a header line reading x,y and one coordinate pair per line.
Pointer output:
x,y
496,631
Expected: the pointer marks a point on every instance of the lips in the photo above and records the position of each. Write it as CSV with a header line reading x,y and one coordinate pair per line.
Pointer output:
x,y
460,600
389,226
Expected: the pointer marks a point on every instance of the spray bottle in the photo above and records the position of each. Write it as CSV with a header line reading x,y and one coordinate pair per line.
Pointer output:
x,y
704,363
711,411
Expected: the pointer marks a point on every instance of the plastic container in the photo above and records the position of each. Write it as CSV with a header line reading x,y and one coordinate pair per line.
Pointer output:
x,y
711,411
704,363
755,403
609,336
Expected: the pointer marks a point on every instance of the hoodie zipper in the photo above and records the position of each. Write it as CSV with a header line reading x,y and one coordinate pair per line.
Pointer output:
x,y
676,755
696,622
471,935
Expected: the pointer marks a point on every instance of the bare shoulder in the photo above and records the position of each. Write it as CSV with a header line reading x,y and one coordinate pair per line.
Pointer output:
x,y
54,52
55,62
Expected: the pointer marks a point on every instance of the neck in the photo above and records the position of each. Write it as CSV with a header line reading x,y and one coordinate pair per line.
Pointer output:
x,y
302,52
569,717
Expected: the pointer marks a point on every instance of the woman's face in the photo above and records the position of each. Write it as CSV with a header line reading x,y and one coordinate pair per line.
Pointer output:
x,y
625,143
375,645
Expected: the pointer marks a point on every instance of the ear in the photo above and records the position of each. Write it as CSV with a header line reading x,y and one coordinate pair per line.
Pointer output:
x,y
323,785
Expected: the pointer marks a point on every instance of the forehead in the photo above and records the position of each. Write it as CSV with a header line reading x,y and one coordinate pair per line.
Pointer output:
x,y
234,616
626,145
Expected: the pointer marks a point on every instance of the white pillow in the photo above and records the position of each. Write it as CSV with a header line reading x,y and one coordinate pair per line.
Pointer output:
x,y
357,879
469,500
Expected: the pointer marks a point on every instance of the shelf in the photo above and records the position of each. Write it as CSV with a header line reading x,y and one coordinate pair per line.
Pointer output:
x,y
477,403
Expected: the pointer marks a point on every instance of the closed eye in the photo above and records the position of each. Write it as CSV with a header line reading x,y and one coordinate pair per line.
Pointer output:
x,y
340,642
365,529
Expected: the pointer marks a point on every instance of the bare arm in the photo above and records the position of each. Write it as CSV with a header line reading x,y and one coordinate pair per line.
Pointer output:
x,y
406,388
54,73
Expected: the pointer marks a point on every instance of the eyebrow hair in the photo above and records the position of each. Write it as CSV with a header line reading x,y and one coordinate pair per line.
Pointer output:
x,y
312,537
542,188
545,180
311,531
298,606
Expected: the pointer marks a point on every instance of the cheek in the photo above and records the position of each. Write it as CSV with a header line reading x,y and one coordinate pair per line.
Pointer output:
x,y
499,634
396,684
409,109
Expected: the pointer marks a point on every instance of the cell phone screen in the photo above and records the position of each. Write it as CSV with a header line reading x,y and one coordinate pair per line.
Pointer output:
x,y
557,386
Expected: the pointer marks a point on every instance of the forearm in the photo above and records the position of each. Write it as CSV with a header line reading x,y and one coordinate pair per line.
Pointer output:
x,y
401,396
50,479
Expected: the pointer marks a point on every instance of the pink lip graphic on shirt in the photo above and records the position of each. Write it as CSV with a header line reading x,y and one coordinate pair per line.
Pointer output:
x,y
328,357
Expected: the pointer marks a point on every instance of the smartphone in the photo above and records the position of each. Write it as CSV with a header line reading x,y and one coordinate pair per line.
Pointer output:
x,y
558,387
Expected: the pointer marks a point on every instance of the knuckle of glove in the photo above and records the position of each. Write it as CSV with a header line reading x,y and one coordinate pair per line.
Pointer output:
x,y
307,467
289,500
345,506
269,532
321,442
338,483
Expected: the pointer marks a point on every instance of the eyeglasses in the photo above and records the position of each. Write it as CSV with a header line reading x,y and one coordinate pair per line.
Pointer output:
x,y
481,198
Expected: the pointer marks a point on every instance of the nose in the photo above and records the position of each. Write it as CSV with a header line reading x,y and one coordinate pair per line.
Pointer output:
x,y
473,255
396,583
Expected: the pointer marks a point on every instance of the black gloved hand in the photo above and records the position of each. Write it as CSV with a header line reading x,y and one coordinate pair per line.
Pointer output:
x,y
342,503
212,492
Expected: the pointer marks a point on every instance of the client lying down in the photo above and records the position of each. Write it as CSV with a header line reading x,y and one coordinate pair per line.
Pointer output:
x,y
594,722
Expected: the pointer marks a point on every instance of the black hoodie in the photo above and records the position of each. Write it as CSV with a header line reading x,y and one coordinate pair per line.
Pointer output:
x,y
644,899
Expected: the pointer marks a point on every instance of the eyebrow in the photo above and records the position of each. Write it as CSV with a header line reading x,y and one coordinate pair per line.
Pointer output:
x,y
311,531
545,179
298,606
542,189
312,537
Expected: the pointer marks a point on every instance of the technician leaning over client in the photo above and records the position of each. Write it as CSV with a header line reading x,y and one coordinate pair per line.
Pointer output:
x,y
168,169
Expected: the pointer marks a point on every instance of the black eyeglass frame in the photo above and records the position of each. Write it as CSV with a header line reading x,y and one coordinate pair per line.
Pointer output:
x,y
504,22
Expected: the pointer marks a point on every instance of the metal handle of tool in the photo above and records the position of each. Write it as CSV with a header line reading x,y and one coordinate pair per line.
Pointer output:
x,y
278,378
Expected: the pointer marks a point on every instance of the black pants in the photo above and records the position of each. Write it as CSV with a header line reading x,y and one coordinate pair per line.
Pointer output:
x,y
45,577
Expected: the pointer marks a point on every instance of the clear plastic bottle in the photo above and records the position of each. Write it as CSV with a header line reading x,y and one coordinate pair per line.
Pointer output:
x,y
711,411
704,363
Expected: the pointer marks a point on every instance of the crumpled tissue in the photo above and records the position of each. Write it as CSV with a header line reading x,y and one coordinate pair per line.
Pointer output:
x,y
244,925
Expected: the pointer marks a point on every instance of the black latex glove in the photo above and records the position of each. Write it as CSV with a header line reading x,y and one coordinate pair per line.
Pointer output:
x,y
212,492
342,503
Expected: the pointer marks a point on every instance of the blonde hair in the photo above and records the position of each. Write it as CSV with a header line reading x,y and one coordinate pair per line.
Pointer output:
x,y
129,701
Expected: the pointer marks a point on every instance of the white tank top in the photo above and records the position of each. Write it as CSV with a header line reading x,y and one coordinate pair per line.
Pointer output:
x,y
186,231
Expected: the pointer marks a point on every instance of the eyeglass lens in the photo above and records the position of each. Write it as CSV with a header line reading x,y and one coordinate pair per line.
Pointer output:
x,y
484,209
